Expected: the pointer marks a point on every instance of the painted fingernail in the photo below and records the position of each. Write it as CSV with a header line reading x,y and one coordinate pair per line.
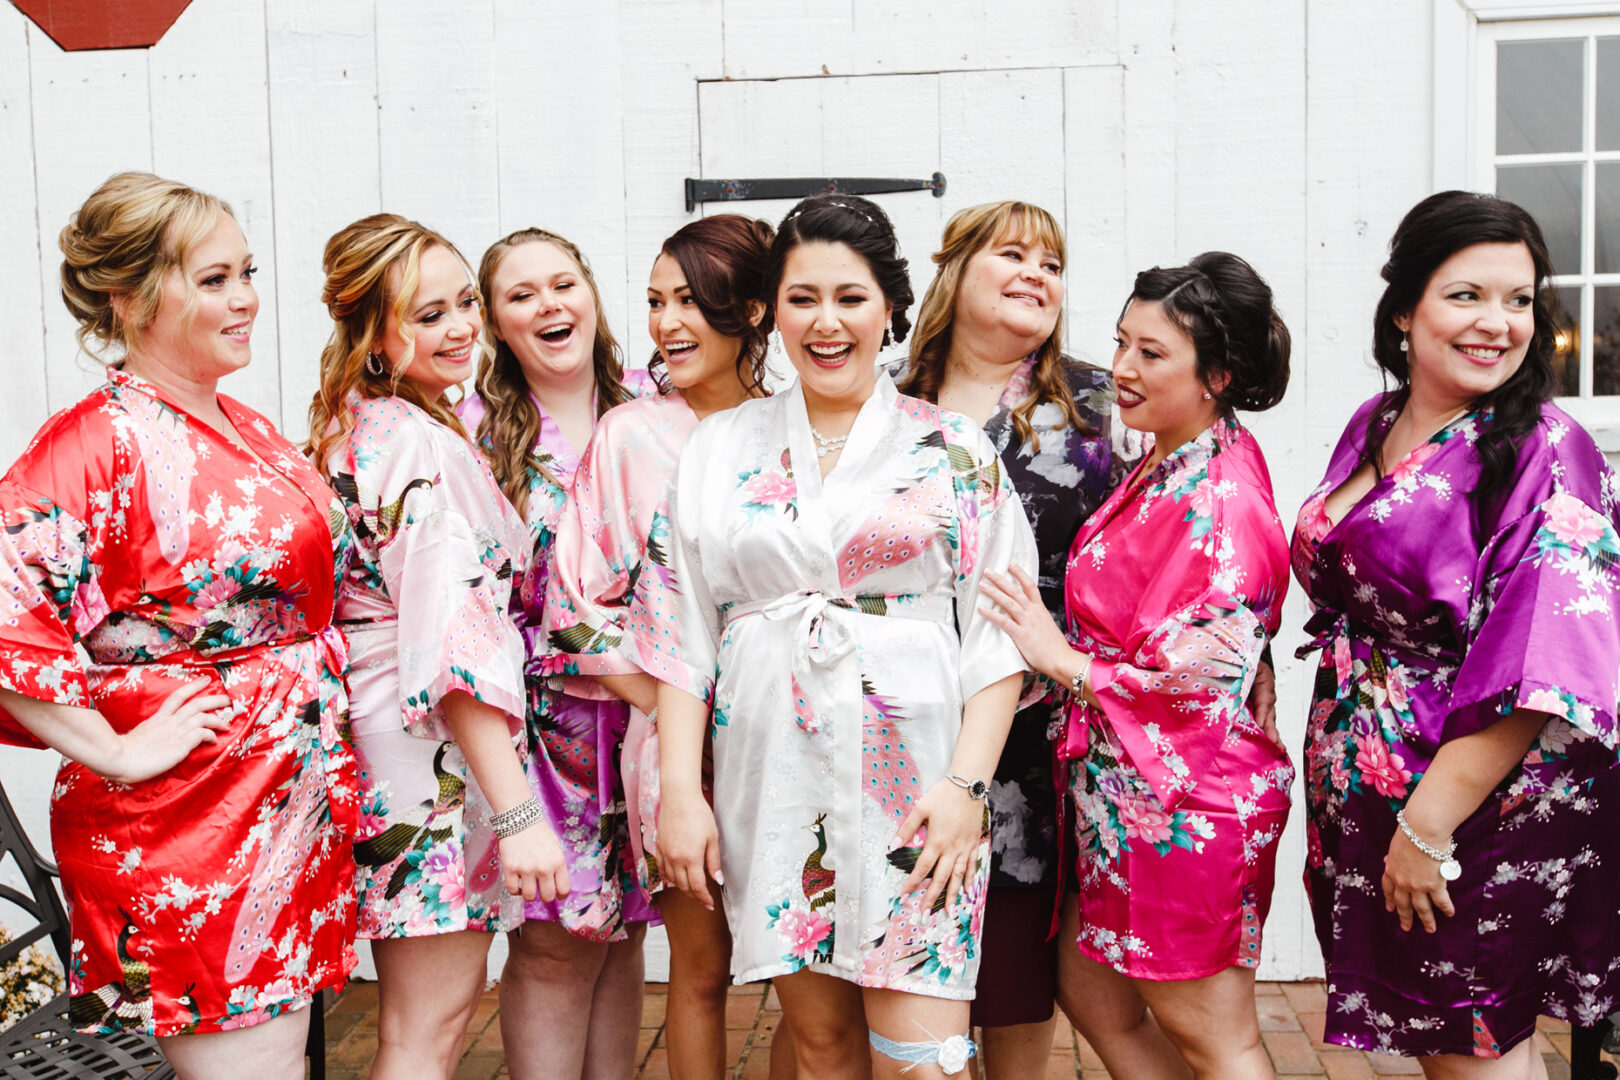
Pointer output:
x,y
719,878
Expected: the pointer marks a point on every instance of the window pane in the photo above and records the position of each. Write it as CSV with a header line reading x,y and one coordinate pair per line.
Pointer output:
x,y
1552,194
1567,358
1607,252
1606,340
1608,93
1538,96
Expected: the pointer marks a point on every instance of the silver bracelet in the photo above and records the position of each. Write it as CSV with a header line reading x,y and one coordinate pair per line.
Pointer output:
x,y
517,818
1450,868
652,717
1077,685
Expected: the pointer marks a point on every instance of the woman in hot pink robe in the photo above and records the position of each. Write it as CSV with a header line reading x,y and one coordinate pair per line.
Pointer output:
x,y
1174,586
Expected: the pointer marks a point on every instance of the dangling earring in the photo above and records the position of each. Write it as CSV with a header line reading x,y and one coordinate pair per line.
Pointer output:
x,y
374,365
888,338
1405,345
777,348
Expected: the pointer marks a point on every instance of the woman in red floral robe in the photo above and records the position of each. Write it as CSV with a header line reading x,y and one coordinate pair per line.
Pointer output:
x,y
167,571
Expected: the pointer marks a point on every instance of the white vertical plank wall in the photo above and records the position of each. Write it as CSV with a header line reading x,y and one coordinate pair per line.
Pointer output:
x,y
1294,134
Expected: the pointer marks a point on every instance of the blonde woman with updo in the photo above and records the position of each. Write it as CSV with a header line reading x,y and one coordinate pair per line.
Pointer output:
x,y
572,986
168,565
451,841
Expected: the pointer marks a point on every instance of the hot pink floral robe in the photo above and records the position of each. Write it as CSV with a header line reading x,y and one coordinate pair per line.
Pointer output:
x,y
1175,584
426,607
143,550
618,511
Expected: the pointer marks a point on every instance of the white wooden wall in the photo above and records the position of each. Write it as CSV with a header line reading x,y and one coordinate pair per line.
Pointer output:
x,y
1294,134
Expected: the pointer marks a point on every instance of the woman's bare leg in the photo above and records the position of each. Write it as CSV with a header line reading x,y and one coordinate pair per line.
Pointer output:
x,y
273,1050
427,989
827,1023
1213,1022
1106,1009
610,1053
546,986
1520,1063
1016,1050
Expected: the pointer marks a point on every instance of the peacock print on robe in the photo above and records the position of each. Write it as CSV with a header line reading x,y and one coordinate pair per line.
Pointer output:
x,y
820,616
427,609
575,727
143,550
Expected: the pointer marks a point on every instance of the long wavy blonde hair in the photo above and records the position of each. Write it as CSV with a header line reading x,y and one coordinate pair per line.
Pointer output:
x,y
969,232
358,262
511,423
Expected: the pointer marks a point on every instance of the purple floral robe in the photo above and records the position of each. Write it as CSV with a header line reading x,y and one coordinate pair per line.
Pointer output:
x,y
574,738
1436,618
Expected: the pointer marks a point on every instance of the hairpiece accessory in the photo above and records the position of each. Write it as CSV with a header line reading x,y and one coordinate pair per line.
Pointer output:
x,y
1450,868
517,818
951,1055
374,364
1405,345
870,220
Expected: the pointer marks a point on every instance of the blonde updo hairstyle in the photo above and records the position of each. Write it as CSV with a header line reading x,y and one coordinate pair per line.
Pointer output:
x,y
511,422
359,260
118,247
969,232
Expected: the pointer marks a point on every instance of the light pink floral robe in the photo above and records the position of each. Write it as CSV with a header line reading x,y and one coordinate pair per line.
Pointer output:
x,y
426,607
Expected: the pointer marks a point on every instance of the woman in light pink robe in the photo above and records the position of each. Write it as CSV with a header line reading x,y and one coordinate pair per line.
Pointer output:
x,y
1174,586
708,319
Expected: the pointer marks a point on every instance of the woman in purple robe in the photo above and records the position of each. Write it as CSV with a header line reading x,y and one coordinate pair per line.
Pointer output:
x,y
1460,556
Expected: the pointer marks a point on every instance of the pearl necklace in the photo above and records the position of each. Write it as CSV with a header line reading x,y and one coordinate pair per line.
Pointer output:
x,y
824,445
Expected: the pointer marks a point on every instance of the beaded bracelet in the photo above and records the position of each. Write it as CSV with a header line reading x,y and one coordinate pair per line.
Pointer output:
x,y
1450,868
517,818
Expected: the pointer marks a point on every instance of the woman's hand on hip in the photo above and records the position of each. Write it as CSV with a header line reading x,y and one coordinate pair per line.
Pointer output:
x,y
955,824
532,864
1413,886
1019,610
689,846
163,740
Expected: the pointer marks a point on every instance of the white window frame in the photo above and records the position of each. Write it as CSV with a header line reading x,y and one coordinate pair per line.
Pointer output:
x,y
1465,35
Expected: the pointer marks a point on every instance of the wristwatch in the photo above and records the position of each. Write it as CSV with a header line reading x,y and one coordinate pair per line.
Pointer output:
x,y
976,789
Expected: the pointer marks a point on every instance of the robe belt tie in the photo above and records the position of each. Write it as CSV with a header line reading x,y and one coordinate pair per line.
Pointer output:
x,y
828,709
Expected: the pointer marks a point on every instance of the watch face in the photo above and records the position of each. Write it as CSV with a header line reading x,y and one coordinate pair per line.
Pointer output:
x,y
978,789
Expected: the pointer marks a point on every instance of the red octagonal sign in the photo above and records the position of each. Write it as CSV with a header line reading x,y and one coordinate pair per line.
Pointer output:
x,y
103,24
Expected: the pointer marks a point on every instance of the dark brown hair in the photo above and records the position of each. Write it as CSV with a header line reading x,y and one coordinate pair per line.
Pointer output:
x,y
1431,232
724,259
1219,302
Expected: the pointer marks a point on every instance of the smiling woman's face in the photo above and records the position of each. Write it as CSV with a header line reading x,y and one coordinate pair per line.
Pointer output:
x,y
1471,329
831,314
1014,287
542,306
444,323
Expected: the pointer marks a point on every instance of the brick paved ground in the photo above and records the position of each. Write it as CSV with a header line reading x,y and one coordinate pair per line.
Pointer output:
x,y
1291,1017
